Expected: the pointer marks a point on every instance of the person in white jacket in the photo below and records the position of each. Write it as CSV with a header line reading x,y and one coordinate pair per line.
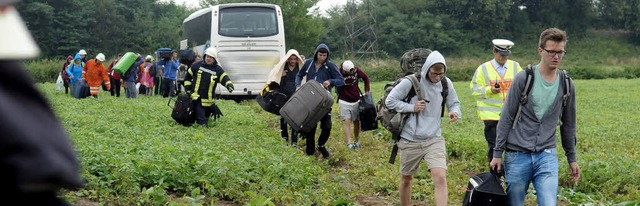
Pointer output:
x,y
421,137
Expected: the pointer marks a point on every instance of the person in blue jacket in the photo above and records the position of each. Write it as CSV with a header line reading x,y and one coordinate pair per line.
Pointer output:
x,y
169,74
131,77
320,69
75,70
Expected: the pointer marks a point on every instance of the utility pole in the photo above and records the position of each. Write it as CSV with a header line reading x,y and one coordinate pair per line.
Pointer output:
x,y
361,37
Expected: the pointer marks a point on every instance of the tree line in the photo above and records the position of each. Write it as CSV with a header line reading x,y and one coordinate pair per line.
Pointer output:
x,y
388,27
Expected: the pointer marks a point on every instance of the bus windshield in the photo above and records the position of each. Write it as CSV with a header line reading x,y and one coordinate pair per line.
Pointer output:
x,y
248,22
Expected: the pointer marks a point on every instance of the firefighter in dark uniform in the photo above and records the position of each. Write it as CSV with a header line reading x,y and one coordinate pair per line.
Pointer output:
x,y
201,82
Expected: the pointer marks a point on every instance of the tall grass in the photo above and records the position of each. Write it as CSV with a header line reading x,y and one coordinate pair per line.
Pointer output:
x,y
132,152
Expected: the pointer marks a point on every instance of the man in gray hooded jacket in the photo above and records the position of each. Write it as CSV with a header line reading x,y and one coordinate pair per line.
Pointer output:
x,y
421,137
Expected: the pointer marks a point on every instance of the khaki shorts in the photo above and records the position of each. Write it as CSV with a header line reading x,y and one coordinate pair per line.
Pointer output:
x,y
433,152
349,110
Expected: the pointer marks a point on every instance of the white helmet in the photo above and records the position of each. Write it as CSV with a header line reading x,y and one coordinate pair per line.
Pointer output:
x,y
149,57
213,52
347,65
82,52
100,57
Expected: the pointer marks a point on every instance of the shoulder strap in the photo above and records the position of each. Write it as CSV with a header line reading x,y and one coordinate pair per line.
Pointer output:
x,y
566,79
524,96
415,82
444,93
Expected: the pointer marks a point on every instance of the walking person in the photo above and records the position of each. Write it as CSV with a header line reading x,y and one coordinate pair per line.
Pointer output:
x,y
95,74
115,78
490,86
322,70
421,137
130,78
169,74
526,133
75,70
290,69
65,75
146,79
349,100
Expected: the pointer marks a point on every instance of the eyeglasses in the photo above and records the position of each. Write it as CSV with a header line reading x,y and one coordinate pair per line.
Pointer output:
x,y
436,74
553,53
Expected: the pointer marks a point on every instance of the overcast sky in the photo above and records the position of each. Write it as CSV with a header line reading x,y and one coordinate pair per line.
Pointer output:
x,y
323,4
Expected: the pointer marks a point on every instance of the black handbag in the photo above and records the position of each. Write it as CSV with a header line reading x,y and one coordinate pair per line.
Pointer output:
x,y
485,189
368,114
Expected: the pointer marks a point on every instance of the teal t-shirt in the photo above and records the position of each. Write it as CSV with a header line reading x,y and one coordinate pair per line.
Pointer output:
x,y
543,93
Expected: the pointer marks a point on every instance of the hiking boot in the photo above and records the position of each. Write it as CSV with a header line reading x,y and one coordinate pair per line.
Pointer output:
x,y
356,144
351,146
324,152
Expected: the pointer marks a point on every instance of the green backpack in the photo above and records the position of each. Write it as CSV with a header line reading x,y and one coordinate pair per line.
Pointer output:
x,y
412,60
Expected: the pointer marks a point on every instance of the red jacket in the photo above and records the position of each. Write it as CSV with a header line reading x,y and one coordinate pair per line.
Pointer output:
x,y
112,73
350,92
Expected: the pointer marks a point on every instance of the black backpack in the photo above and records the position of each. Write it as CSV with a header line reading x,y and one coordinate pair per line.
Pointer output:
x,y
183,110
152,70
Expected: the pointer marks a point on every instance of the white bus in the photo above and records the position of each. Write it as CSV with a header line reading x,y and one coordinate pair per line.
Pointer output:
x,y
249,38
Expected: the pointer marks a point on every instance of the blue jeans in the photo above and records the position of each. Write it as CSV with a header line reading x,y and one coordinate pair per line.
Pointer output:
x,y
541,168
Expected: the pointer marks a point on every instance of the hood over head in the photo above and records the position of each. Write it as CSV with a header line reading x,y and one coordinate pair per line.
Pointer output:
x,y
321,46
276,72
77,57
433,58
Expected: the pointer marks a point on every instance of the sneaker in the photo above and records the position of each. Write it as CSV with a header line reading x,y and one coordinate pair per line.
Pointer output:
x,y
356,144
294,144
286,139
351,146
324,152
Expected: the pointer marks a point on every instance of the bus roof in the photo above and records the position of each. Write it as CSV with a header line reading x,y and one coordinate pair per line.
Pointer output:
x,y
205,10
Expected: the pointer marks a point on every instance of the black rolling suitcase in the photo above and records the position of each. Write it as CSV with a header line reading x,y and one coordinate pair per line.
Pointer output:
x,y
307,106
485,189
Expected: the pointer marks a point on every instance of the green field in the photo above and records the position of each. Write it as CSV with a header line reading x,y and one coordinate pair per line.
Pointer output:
x,y
132,152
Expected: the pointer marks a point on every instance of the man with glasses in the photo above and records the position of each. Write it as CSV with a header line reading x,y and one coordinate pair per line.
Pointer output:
x,y
529,146
490,85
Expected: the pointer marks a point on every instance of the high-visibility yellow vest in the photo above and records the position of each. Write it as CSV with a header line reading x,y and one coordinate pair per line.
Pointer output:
x,y
486,76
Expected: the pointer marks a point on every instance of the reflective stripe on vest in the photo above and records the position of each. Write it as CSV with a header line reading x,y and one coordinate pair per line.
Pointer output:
x,y
490,105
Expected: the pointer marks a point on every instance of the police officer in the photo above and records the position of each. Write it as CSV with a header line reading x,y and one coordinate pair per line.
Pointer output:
x,y
490,84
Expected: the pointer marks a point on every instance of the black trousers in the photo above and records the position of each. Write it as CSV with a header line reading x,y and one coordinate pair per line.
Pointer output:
x,y
490,136
202,113
325,126
284,132
66,85
156,82
168,87
115,87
